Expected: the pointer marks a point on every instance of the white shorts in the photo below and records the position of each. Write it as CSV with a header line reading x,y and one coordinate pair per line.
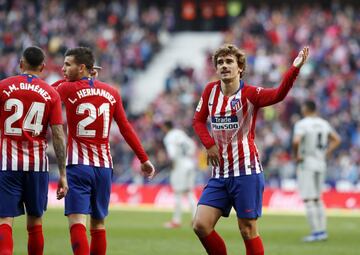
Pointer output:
x,y
182,179
310,183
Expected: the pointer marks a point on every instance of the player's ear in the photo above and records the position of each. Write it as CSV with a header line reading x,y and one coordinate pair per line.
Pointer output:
x,y
42,67
21,64
82,68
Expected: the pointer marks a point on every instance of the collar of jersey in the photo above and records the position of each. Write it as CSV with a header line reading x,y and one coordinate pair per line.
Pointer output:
x,y
241,86
91,80
29,76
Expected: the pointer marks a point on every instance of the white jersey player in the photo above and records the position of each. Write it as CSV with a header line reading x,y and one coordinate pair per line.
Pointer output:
x,y
181,151
314,140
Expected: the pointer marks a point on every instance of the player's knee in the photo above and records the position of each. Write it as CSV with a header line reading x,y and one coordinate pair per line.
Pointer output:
x,y
246,233
248,230
200,228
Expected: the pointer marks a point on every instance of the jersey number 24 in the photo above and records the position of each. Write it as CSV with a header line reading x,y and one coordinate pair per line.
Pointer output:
x,y
32,121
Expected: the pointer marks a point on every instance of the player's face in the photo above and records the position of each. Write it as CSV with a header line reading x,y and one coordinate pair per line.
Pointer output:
x,y
71,70
227,68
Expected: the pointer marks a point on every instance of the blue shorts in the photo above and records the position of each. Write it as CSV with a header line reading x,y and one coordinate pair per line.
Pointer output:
x,y
23,189
244,193
89,190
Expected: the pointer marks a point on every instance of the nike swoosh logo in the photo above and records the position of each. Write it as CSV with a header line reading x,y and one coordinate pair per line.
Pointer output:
x,y
72,101
249,210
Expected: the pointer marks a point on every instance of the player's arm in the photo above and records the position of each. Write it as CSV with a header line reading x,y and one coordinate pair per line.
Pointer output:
x,y
200,127
262,97
334,142
58,138
295,148
132,139
299,132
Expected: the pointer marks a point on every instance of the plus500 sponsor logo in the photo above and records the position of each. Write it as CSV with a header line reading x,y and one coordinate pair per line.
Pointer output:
x,y
224,123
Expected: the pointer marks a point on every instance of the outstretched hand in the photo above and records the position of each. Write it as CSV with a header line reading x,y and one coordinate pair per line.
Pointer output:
x,y
301,57
148,169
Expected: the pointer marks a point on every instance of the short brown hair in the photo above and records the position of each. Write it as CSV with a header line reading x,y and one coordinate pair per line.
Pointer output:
x,y
230,49
82,55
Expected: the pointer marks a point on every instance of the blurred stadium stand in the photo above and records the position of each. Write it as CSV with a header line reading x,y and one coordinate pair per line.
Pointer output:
x,y
127,36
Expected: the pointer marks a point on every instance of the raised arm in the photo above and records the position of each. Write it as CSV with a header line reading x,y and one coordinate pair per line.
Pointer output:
x,y
262,97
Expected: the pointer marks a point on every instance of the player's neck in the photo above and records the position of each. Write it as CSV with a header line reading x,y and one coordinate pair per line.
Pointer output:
x,y
312,114
34,73
229,87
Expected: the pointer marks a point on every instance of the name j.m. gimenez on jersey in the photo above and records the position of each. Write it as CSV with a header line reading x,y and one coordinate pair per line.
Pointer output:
x,y
28,86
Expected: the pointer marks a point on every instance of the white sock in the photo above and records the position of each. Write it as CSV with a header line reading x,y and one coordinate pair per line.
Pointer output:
x,y
177,210
312,216
321,214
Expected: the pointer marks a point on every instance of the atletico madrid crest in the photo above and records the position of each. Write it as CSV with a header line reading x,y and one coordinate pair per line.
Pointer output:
x,y
235,104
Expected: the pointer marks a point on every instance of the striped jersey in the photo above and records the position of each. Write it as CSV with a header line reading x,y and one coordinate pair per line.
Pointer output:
x,y
27,106
91,106
232,120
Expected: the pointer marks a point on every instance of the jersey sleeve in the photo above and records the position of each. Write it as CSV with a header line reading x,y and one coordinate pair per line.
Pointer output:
x,y
127,130
299,129
56,111
57,83
200,119
262,97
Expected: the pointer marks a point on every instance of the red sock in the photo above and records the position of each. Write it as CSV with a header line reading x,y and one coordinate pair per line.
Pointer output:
x,y
214,244
6,241
79,242
254,246
98,242
35,240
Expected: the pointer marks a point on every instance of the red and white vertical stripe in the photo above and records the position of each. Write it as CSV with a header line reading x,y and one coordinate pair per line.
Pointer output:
x,y
89,154
23,156
238,150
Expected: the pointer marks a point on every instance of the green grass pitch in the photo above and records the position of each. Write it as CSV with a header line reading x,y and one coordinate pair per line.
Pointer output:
x,y
135,232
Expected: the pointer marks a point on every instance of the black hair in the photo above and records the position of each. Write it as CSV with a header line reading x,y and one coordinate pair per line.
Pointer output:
x,y
34,56
82,55
310,105
168,124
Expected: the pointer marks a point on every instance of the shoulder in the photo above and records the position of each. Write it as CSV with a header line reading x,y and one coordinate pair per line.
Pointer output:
x,y
301,124
209,87
213,84
252,89
102,85
48,88
325,123
62,85
10,79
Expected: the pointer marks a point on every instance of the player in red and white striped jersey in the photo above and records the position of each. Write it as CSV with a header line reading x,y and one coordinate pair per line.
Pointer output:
x,y
91,105
237,175
27,106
